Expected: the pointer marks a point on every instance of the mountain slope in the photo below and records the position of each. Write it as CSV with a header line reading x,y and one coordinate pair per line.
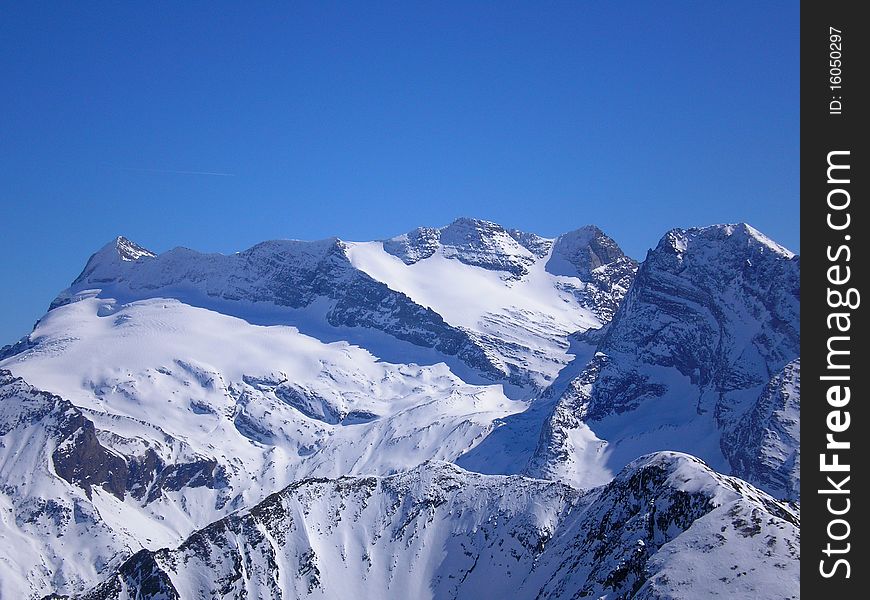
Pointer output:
x,y
192,414
764,446
308,284
198,392
47,516
519,295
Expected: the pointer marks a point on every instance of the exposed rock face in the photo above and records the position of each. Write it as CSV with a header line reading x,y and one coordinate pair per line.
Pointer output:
x,y
81,460
582,251
168,433
119,250
504,537
415,245
140,573
18,347
592,256
586,253
78,456
583,269
311,282
537,245
712,315
720,305
764,447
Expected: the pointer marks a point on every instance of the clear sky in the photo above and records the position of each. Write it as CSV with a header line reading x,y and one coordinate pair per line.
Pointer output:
x,y
366,119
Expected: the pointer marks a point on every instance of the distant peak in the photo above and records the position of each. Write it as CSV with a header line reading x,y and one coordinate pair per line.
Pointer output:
x,y
297,251
587,234
472,222
128,250
592,230
465,229
475,242
483,243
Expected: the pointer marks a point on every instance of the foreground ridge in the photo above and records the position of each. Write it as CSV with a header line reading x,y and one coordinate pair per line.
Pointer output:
x,y
641,536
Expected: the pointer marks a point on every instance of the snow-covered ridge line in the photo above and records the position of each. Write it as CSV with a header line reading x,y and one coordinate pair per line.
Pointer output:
x,y
309,284
438,531
527,293
464,235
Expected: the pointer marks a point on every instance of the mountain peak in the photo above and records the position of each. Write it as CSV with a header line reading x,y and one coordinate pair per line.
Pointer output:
x,y
488,245
681,343
475,242
583,250
119,250
733,234
226,407
472,222
129,250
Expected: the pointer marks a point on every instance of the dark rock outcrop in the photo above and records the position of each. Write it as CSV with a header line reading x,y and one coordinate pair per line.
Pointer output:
x,y
83,461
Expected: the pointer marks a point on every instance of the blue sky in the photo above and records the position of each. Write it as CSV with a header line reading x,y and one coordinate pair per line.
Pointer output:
x,y
364,120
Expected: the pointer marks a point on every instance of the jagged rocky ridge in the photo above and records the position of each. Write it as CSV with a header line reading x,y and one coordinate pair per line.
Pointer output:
x,y
78,457
54,463
440,532
586,253
179,413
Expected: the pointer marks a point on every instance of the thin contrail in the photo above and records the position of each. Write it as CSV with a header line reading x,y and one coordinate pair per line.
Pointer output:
x,y
177,172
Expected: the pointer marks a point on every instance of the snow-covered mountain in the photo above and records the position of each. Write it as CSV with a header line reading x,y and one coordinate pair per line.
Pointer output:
x,y
167,404
692,361
481,301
